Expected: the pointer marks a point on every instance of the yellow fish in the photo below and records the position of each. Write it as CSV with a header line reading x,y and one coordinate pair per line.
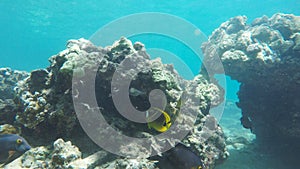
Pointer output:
x,y
162,123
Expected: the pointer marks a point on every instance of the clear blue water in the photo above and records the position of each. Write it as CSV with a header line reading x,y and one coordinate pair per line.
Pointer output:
x,y
32,31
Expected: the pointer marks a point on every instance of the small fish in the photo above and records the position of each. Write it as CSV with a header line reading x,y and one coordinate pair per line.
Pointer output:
x,y
180,157
11,144
162,123
136,92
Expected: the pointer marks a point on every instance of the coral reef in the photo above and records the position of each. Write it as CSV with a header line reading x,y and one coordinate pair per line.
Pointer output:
x,y
47,109
44,101
60,156
8,129
64,155
8,81
264,58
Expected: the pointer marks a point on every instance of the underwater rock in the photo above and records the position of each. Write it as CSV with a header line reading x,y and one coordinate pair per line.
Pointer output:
x,y
35,111
38,80
209,93
64,153
8,129
93,161
264,58
59,156
129,163
8,81
48,110
208,140
8,110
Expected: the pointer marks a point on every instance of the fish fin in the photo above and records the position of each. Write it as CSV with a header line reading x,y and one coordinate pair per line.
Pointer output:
x,y
10,154
150,118
167,120
162,129
166,115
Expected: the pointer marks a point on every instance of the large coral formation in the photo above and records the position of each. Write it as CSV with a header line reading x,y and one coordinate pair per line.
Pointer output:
x,y
47,105
264,58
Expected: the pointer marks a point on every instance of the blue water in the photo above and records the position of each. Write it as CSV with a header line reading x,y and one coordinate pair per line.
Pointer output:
x,y
32,31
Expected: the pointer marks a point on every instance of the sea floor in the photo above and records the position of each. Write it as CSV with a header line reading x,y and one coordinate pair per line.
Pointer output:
x,y
251,157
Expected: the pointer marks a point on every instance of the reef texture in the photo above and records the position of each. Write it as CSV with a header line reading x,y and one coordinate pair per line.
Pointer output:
x,y
8,81
60,155
264,58
47,107
64,155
